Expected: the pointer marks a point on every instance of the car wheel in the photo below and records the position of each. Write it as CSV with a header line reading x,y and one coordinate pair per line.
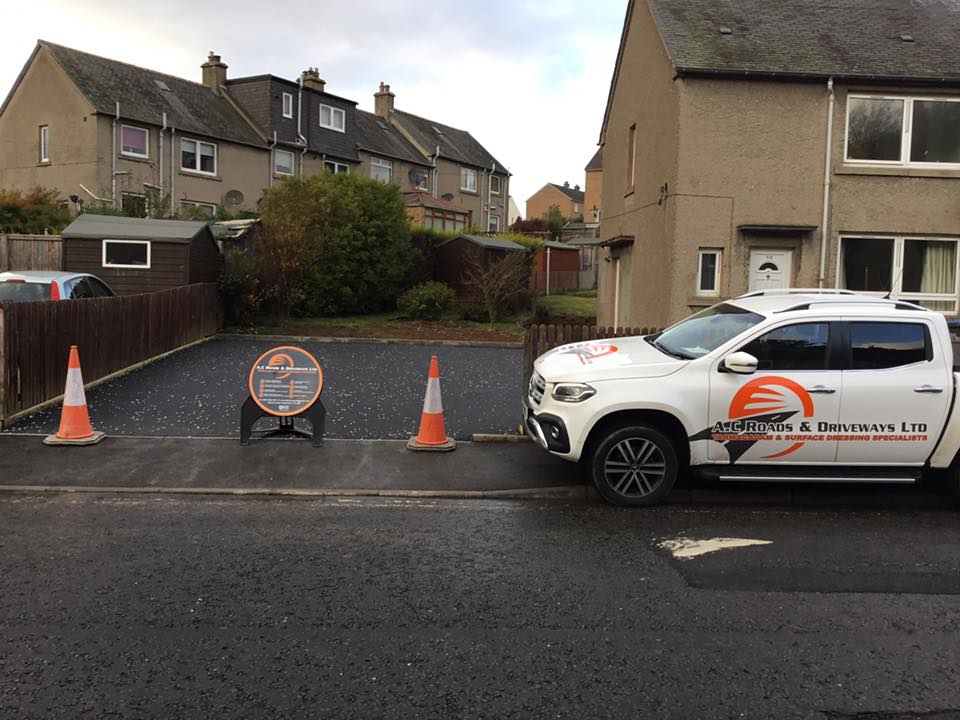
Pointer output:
x,y
634,465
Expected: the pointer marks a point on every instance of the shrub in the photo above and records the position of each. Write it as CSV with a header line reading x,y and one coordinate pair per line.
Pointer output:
x,y
334,244
240,289
423,253
35,211
502,287
429,301
472,311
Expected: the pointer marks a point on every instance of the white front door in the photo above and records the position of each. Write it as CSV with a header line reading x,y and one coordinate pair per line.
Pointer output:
x,y
770,269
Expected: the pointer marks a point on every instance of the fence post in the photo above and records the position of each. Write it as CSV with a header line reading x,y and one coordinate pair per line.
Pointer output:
x,y
4,253
3,370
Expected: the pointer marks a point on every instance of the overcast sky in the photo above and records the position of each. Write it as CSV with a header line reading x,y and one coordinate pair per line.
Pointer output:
x,y
528,78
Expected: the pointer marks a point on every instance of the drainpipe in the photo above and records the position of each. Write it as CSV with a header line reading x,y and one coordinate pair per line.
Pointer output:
x,y
548,270
113,172
173,168
616,293
435,172
493,168
272,146
483,205
827,174
300,123
160,156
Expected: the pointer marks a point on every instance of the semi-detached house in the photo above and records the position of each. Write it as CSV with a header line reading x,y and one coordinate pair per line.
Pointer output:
x,y
104,131
750,144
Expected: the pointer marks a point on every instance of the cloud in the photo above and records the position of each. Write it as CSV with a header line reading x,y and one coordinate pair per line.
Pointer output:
x,y
527,78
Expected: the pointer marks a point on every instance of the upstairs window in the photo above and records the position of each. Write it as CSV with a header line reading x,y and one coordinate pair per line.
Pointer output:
x,y
495,184
134,141
332,118
468,180
287,105
381,170
44,143
197,156
903,131
631,158
283,162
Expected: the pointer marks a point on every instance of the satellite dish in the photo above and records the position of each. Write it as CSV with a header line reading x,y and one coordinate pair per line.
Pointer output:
x,y
233,197
418,178
447,196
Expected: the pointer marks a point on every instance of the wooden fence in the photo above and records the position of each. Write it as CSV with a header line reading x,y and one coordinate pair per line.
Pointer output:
x,y
539,338
31,252
111,334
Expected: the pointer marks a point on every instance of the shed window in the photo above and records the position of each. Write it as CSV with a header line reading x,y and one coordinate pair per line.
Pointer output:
x,y
126,254
134,141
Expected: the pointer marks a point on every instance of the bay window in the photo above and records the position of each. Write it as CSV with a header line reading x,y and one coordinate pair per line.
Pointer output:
x,y
903,131
916,269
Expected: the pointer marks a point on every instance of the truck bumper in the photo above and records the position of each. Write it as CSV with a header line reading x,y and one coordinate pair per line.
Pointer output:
x,y
546,430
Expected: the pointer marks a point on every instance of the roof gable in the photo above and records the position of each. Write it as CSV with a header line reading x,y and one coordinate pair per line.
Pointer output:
x,y
145,95
572,193
596,162
90,226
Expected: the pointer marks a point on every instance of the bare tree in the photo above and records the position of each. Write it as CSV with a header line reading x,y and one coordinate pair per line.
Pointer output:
x,y
498,284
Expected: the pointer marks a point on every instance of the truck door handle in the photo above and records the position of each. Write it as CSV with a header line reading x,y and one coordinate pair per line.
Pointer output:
x,y
928,389
821,389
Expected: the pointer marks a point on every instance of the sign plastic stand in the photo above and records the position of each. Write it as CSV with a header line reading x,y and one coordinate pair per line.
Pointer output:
x,y
285,382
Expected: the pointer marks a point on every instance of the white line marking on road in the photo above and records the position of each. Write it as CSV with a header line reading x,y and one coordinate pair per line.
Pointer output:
x,y
686,548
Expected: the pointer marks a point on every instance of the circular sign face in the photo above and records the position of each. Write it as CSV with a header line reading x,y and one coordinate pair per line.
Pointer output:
x,y
285,381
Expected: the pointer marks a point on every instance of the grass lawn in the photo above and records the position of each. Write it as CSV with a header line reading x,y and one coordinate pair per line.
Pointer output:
x,y
582,304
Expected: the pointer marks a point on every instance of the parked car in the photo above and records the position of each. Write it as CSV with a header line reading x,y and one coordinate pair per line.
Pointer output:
x,y
794,386
32,285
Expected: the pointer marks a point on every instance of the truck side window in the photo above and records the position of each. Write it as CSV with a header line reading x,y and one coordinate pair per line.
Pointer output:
x,y
877,345
794,347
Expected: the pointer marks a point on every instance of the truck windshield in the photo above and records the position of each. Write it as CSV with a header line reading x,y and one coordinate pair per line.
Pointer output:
x,y
705,331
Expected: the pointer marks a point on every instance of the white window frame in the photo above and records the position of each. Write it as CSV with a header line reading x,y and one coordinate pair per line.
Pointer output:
x,y
197,170
44,143
293,167
715,292
127,153
495,191
466,172
906,133
334,111
186,204
287,105
339,168
897,292
124,242
493,223
380,162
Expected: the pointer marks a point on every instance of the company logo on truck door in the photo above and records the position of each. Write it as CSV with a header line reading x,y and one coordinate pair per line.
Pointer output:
x,y
779,411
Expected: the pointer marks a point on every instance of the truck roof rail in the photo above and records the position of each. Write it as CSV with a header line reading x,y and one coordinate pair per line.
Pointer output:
x,y
896,304
798,291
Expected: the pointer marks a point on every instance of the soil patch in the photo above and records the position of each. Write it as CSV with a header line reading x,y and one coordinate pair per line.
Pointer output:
x,y
405,330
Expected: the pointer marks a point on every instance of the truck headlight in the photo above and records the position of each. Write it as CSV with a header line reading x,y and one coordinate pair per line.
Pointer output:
x,y
572,392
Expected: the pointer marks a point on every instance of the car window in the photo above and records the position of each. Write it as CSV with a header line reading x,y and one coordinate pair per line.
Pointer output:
x,y
99,288
705,331
81,289
875,345
793,347
23,291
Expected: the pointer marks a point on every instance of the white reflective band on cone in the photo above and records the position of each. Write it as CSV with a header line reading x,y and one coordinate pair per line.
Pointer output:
x,y
73,392
431,402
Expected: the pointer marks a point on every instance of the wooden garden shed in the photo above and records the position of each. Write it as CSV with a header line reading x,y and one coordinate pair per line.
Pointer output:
x,y
457,254
137,255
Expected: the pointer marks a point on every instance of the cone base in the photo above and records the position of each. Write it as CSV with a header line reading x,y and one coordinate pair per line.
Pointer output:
x,y
448,446
93,439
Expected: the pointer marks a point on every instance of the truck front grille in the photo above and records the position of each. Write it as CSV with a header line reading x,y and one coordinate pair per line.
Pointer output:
x,y
537,387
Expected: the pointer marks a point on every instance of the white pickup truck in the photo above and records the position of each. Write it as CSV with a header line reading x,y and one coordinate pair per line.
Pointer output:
x,y
797,386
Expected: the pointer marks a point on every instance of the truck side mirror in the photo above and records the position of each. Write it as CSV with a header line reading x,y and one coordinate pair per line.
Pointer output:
x,y
739,362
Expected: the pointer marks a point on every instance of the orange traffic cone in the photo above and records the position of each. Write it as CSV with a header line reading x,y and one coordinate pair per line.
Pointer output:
x,y
433,434
74,420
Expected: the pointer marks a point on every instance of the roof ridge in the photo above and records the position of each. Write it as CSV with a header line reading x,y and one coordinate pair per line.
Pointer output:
x,y
120,62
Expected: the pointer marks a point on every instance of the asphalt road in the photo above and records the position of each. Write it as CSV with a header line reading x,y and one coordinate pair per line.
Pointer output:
x,y
167,608
371,391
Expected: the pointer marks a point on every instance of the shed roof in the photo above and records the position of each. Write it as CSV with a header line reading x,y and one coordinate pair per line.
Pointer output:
x,y
89,226
491,243
553,245
145,95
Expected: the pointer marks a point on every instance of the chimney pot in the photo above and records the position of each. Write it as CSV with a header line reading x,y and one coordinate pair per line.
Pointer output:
x,y
566,183
576,187
311,79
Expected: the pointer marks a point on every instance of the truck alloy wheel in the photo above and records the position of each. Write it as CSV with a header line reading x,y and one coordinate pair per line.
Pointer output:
x,y
634,465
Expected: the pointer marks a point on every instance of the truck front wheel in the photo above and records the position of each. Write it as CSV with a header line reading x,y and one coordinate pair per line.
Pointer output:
x,y
634,465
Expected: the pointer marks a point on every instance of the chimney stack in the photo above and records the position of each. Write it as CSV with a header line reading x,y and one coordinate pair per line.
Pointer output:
x,y
566,183
214,72
576,187
383,101
311,79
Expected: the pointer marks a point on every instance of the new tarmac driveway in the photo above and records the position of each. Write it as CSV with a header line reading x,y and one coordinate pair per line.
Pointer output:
x,y
371,391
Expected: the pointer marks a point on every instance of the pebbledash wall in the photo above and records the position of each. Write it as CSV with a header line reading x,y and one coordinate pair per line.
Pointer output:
x,y
734,165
